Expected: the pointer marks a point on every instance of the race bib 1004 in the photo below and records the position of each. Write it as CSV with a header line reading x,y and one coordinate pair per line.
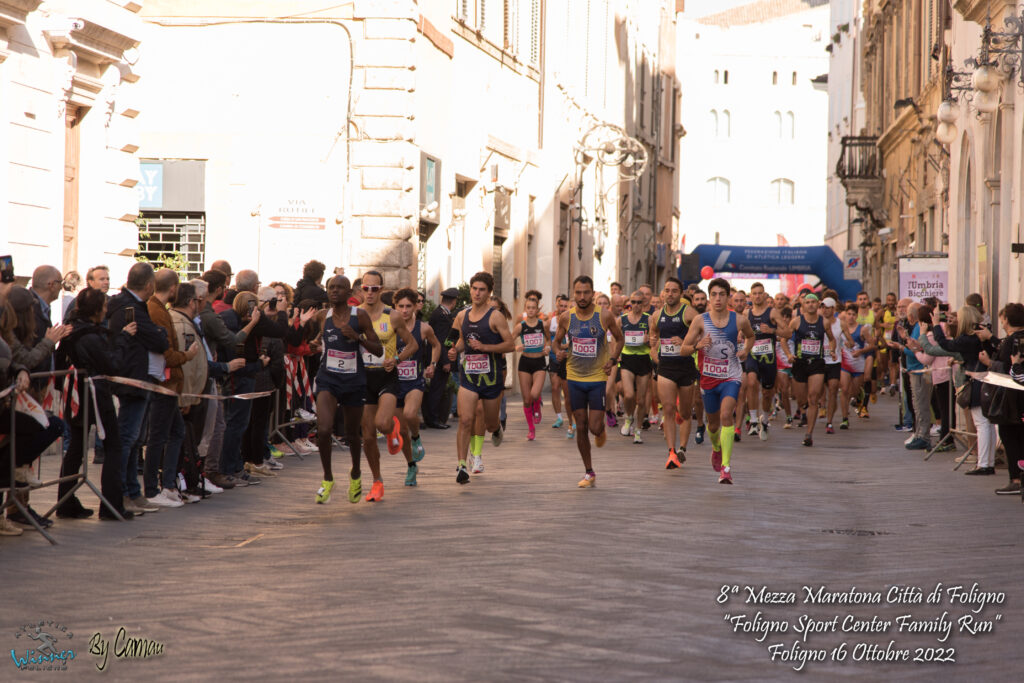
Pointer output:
x,y
584,348
407,370
343,362
634,338
716,368
477,364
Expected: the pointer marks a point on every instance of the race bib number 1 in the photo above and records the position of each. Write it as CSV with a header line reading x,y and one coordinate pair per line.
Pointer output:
x,y
584,348
372,361
343,362
477,364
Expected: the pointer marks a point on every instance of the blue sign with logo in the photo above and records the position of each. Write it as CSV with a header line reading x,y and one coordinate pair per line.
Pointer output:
x,y
151,189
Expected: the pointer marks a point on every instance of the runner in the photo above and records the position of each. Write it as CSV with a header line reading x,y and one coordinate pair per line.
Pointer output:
x,y
532,363
809,332
341,381
382,381
858,343
412,374
866,316
613,388
715,334
833,362
738,303
700,304
588,363
484,337
784,358
677,372
556,371
760,367
635,364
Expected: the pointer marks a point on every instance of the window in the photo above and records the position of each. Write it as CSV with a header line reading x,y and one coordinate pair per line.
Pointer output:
x,y
175,236
721,123
785,125
716,76
783,191
791,124
725,77
794,78
714,121
775,78
778,123
720,190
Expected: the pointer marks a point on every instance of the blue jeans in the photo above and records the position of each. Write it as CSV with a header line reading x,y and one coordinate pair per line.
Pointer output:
x,y
236,419
166,434
129,423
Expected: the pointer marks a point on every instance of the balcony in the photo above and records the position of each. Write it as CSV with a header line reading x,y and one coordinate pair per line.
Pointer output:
x,y
860,170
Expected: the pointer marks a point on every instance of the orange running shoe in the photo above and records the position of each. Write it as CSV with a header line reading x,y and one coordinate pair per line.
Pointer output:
x,y
376,492
673,460
395,438
601,438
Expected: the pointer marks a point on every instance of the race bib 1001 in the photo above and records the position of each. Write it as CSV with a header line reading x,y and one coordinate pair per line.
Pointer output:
x,y
372,361
668,348
584,348
407,370
477,364
810,347
343,362
716,368
533,340
762,347
634,338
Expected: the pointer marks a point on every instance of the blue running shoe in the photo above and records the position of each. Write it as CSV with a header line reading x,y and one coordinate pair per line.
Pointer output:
x,y
418,451
410,475
699,436
558,422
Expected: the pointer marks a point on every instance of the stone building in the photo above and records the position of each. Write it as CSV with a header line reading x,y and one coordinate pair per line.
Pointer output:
x,y
68,137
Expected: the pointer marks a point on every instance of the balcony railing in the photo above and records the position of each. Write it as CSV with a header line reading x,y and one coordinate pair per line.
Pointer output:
x,y
860,159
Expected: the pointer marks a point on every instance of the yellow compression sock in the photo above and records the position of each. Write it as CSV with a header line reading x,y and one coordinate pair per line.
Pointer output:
x,y
476,445
728,436
716,439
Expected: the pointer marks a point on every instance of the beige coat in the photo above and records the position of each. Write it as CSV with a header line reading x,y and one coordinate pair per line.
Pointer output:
x,y
194,371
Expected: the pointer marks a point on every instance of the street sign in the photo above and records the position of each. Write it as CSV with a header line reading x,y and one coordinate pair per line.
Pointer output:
x,y
297,212
297,222
853,265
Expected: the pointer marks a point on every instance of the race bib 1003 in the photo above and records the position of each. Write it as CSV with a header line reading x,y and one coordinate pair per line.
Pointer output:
x,y
343,362
634,338
584,348
477,364
407,370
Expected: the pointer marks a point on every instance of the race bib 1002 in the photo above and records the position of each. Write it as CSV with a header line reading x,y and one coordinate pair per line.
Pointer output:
x,y
477,364
668,348
584,348
634,338
343,362
407,370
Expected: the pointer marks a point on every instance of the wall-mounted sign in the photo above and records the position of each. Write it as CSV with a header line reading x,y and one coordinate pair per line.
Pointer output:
x,y
853,264
295,213
924,276
151,189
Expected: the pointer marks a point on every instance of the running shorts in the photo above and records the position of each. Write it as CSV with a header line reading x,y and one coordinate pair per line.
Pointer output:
x,y
639,364
532,365
586,395
714,396
804,368
380,382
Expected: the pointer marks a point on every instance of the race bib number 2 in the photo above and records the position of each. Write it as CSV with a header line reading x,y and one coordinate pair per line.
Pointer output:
x,y
584,348
343,362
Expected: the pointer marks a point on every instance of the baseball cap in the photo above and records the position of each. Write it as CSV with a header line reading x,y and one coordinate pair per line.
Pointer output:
x,y
828,302
266,294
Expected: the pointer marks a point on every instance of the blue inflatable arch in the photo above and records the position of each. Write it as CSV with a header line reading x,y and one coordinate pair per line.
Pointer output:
x,y
819,261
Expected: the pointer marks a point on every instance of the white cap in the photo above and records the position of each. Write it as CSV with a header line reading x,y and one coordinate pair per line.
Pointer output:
x,y
266,294
829,302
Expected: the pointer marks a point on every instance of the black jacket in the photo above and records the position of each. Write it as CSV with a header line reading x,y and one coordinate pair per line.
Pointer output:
x,y
441,323
307,289
150,337
93,350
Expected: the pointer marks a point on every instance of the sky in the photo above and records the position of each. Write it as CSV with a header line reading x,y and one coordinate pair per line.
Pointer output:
x,y
699,8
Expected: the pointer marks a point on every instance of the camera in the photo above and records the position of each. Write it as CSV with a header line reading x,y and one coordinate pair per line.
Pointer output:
x,y
7,269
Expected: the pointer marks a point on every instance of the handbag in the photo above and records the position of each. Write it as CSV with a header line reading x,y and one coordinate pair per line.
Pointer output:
x,y
963,394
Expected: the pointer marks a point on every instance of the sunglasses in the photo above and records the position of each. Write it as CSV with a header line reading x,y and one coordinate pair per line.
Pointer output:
x,y
371,288
635,303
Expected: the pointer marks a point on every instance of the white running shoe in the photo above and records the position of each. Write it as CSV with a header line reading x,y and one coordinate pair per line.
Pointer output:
x,y
187,497
636,437
211,487
478,464
272,464
167,498
305,414
627,427
305,446
762,430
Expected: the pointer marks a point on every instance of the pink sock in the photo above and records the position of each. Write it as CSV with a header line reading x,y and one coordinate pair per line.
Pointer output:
x,y
528,412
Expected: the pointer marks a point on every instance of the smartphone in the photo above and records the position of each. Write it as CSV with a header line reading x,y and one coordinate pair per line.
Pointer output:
x,y
252,307
6,268
944,308
129,316
942,315
189,340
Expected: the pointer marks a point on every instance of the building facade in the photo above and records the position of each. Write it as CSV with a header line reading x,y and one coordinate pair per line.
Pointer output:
x,y
68,136
755,113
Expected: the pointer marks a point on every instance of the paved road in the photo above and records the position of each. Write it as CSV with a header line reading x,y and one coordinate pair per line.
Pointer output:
x,y
521,576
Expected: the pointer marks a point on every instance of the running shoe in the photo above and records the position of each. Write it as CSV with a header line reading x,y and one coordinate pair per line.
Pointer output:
x,y
753,430
699,438
588,481
863,412
609,419
477,463
725,477
946,447
789,423
410,474
682,455
558,422
738,433
845,424
418,451
394,443
305,415
601,438
532,434
538,411
273,465
323,494
646,424
627,427
461,475
673,460
355,488
376,492
716,460
498,436
803,420
808,441
637,438
570,433
276,452
829,429
762,430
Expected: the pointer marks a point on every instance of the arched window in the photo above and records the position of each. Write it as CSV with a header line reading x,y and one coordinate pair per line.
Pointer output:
x,y
775,78
725,77
725,124
716,76
778,123
783,191
791,124
794,78
720,190
714,121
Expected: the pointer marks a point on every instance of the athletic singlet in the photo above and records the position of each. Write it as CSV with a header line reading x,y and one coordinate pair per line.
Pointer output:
x,y
837,330
719,363
386,334
851,363
340,359
588,348
532,337
671,326
868,319
634,334
480,368
763,350
781,359
411,369
809,340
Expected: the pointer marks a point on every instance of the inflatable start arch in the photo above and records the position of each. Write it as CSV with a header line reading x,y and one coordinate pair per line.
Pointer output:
x,y
820,261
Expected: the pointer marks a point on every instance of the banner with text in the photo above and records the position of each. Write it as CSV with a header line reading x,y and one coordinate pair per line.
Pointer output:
x,y
924,276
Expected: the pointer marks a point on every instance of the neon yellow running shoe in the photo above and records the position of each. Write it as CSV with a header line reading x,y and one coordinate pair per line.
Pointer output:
x,y
355,489
324,493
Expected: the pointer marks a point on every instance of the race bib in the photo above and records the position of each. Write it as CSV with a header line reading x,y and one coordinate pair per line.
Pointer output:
x,y
372,361
634,338
533,340
343,362
762,347
407,370
810,347
668,348
584,348
716,368
477,364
